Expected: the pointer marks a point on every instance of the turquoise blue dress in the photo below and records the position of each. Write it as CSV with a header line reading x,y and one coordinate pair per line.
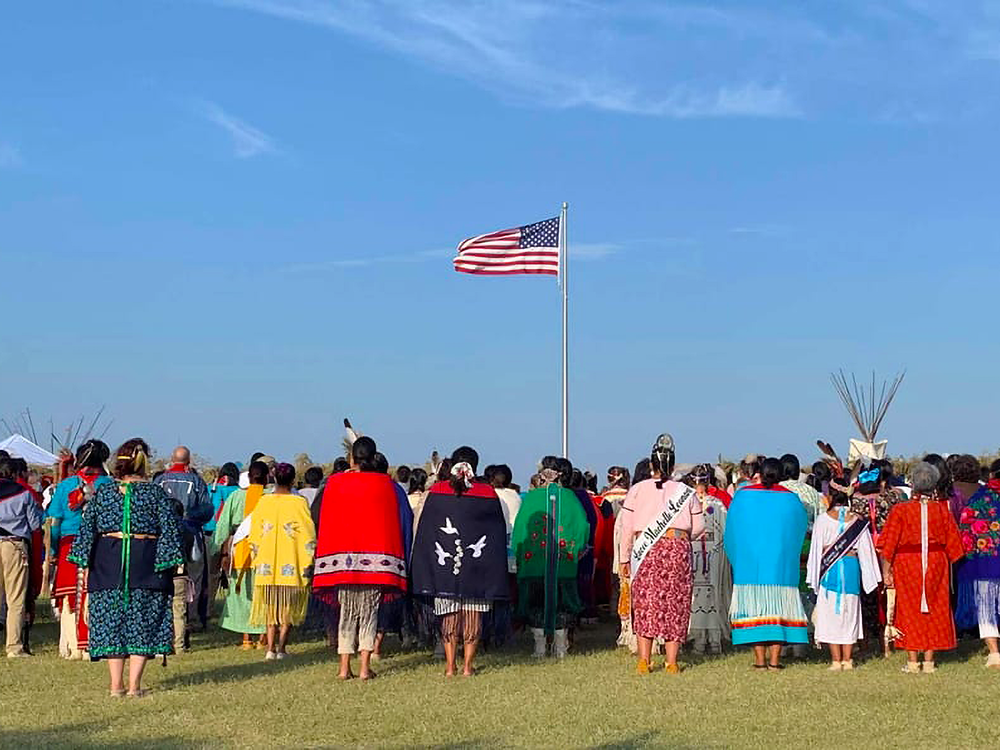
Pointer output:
x,y
218,494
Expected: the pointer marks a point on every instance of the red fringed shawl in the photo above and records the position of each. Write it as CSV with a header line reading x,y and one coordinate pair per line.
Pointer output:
x,y
359,539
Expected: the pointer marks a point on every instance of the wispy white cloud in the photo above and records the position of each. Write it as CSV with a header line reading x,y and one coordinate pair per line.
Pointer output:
x,y
421,256
686,102
10,155
531,52
247,140
889,60
594,250
582,251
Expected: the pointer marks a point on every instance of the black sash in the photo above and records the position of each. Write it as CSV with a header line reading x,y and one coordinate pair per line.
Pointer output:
x,y
841,545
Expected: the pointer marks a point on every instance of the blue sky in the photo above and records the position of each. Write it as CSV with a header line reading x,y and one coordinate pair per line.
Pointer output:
x,y
232,221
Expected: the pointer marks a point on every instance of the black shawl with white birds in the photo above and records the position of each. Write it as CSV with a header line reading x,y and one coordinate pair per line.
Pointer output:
x,y
460,551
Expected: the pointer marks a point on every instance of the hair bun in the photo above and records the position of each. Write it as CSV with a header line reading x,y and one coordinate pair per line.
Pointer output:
x,y
665,442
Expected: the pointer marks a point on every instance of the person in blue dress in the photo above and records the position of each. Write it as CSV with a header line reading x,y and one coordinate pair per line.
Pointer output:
x,y
130,545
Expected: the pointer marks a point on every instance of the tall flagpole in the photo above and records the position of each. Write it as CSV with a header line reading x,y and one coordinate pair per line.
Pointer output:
x,y
564,268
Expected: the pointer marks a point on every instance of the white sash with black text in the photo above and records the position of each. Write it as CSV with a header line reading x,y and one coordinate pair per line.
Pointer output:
x,y
675,497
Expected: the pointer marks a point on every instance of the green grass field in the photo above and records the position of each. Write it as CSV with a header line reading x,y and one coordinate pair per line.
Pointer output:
x,y
218,696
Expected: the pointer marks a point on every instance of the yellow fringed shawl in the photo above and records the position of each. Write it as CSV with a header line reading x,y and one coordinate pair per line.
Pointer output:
x,y
282,544
241,549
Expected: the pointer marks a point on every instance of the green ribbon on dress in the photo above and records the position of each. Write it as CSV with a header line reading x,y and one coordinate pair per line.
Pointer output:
x,y
552,557
126,543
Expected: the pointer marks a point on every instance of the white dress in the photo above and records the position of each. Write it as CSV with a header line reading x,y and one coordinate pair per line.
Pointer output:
x,y
838,602
712,579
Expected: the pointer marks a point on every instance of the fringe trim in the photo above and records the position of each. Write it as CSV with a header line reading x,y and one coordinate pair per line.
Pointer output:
x,y
766,602
274,605
978,603
625,600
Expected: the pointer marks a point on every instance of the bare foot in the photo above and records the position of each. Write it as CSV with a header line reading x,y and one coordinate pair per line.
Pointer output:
x,y
345,676
369,675
468,672
449,672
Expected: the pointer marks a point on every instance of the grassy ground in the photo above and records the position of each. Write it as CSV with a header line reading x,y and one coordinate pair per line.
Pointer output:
x,y
220,696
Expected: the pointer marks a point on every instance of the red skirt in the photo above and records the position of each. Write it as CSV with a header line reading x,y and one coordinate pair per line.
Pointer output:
x,y
661,592
65,587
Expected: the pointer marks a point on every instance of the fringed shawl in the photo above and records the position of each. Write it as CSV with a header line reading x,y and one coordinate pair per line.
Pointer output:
x,y
282,542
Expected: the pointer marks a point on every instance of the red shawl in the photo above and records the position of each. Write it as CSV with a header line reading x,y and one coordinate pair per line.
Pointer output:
x,y
359,539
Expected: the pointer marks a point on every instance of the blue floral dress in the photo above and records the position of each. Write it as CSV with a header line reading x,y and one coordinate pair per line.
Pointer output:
x,y
130,579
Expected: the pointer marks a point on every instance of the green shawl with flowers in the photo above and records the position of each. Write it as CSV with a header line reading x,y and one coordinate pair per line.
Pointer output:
x,y
550,515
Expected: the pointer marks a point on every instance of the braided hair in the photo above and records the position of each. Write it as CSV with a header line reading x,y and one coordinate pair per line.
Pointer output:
x,y
661,460
132,458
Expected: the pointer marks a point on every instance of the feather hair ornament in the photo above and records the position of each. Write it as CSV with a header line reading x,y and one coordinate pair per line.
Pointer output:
x,y
352,434
831,458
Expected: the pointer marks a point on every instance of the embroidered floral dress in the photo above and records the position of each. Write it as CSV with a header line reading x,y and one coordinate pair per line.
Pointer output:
x,y
130,576
979,572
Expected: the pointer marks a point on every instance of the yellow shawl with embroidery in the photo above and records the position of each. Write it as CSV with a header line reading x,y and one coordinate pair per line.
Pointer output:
x,y
282,545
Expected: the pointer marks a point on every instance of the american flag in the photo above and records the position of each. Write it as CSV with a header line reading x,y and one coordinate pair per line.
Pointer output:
x,y
533,248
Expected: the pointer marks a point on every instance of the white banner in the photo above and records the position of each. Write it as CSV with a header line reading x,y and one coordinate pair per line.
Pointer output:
x,y
675,496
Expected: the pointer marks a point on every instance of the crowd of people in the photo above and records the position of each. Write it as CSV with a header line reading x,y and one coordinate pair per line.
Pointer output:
x,y
768,556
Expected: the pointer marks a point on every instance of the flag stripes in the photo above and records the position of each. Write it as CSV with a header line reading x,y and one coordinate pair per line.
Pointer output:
x,y
529,249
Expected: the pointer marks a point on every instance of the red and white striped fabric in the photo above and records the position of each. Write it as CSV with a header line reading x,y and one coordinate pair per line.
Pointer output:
x,y
532,249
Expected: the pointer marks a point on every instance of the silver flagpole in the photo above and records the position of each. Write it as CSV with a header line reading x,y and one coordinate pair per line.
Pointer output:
x,y
564,268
